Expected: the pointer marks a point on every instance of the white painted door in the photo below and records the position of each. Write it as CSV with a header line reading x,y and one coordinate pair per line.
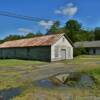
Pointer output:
x,y
63,54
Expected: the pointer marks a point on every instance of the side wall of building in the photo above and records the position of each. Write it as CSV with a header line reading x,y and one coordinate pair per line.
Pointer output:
x,y
34,53
56,49
40,53
97,51
94,51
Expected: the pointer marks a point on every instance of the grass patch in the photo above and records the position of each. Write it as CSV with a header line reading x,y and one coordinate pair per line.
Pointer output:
x,y
53,94
11,72
84,59
15,62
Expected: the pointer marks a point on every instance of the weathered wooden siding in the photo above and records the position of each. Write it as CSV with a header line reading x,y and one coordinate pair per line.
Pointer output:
x,y
0,53
40,53
21,53
35,53
7,53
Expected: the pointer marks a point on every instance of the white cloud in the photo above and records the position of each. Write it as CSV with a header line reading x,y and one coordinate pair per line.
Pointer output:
x,y
70,4
58,11
21,31
25,30
46,24
68,10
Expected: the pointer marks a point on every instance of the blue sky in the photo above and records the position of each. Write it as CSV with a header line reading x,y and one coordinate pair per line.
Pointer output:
x,y
85,11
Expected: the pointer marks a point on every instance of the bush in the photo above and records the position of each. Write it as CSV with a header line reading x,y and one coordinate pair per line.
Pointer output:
x,y
80,51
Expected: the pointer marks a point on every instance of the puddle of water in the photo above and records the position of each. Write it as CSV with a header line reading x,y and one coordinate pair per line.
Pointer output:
x,y
45,83
83,81
86,81
10,93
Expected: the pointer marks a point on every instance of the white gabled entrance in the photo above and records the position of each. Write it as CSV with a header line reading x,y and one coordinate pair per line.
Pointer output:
x,y
61,50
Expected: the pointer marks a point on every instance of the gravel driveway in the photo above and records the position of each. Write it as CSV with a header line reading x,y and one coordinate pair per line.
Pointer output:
x,y
48,70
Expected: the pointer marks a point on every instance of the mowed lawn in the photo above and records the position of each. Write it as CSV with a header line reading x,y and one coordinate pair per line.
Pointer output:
x,y
15,62
12,70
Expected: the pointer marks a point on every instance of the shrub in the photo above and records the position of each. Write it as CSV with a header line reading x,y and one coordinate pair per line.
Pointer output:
x,y
80,51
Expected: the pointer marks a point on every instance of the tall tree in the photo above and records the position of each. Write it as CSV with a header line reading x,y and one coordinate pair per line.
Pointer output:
x,y
39,33
54,28
73,25
72,29
1,41
29,35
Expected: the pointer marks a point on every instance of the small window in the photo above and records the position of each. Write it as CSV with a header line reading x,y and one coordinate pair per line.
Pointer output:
x,y
56,51
63,39
28,50
94,51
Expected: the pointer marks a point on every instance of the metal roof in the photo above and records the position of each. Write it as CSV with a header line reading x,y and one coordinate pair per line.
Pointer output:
x,y
45,40
87,44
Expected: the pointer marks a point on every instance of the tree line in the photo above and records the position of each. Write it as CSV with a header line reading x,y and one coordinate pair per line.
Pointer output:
x,y
72,28
17,37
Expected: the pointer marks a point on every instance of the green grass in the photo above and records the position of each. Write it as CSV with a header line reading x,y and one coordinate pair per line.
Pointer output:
x,y
15,62
11,72
55,94
84,59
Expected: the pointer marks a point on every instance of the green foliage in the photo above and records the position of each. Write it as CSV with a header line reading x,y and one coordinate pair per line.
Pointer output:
x,y
73,25
38,34
29,35
97,33
1,41
13,37
72,29
84,35
54,28
79,51
75,32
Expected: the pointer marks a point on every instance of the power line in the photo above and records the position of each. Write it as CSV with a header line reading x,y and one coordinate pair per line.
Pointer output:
x,y
14,15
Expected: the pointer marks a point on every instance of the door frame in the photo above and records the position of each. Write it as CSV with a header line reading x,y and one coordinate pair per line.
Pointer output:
x,y
64,54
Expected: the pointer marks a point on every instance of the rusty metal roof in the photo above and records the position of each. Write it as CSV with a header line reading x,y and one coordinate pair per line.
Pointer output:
x,y
46,40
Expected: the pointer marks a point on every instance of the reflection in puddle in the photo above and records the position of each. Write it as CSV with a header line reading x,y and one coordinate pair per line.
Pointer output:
x,y
45,83
10,93
71,81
